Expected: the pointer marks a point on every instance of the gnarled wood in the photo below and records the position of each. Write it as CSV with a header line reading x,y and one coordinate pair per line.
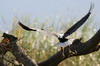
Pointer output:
x,y
77,49
18,52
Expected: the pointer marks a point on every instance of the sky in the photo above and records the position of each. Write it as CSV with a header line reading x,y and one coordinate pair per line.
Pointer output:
x,y
46,9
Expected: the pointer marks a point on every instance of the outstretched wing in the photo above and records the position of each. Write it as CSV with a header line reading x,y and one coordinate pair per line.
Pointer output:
x,y
38,30
79,23
25,27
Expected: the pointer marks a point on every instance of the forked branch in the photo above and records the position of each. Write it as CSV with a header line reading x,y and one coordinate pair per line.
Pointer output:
x,y
77,49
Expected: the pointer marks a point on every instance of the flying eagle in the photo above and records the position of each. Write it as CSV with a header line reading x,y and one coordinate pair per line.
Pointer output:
x,y
63,41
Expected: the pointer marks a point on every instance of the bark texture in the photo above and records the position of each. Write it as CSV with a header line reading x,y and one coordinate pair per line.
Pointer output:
x,y
76,49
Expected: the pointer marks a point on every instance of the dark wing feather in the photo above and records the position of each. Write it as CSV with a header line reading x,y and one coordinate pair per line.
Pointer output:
x,y
78,24
25,27
38,30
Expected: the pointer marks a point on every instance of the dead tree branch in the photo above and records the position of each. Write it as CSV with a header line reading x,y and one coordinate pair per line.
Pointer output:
x,y
17,51
78,48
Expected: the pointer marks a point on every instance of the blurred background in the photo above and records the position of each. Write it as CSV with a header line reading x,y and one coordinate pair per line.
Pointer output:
x,y
46,9
52,15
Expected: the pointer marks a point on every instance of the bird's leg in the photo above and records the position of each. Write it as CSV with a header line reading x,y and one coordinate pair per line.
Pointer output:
x,y
62,49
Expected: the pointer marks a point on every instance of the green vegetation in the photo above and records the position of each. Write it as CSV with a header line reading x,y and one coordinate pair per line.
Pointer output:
x,y
39,46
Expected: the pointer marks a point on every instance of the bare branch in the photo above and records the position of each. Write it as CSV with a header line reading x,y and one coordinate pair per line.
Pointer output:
x,y
21,56
17,51
77,49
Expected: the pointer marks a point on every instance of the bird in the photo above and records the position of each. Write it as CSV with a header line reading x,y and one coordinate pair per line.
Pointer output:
x,y
63,40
